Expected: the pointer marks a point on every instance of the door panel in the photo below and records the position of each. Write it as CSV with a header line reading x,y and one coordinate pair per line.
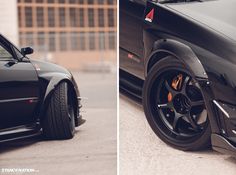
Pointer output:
x,y
131,37
18,91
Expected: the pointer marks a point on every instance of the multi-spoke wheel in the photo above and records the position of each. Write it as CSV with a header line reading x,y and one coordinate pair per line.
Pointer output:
x,y
175,107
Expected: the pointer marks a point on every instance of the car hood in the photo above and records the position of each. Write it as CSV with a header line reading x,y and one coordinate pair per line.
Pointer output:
x,y
43,67
219,15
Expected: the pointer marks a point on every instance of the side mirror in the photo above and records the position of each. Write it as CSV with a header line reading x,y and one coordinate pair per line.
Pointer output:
x,y
27,50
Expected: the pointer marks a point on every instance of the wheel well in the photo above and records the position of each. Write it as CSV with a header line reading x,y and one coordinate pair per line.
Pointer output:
x,y
73,95
45,104
155,58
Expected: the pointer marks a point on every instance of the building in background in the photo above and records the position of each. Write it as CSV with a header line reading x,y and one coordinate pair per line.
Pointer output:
x,y
69,32
8,20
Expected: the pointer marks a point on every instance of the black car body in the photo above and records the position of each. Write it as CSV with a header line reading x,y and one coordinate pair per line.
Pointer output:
x,y
26,88
202,36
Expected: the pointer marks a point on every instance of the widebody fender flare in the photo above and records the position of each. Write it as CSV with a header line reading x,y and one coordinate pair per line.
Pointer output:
x,y
180,51
54,79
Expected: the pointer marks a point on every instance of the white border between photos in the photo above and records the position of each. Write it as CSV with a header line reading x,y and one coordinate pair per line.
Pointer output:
x,y
117,96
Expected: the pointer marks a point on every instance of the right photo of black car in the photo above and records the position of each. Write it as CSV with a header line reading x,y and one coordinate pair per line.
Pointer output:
x,y
178,57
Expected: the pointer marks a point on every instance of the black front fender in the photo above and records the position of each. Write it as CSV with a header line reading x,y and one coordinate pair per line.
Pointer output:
x,y
54,79
179,51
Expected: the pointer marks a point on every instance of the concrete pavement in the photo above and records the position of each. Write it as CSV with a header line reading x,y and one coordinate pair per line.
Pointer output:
x,y
142,152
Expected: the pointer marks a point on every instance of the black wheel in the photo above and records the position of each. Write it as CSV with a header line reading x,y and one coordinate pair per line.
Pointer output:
x,y
59,122
174,106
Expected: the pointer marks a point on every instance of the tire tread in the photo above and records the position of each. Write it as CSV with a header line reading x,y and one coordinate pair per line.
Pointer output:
x,y
56,124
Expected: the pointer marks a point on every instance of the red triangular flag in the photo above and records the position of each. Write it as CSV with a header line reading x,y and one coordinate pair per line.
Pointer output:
x,y
150,16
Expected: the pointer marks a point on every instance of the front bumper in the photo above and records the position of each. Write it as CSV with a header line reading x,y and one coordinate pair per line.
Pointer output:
x,y
79,120
222,145
225,141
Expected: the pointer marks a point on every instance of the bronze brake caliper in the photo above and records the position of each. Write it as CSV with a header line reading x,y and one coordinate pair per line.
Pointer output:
x,y
176,84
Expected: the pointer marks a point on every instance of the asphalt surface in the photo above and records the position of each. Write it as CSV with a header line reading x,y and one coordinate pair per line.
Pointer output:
x,y
142,152
92,151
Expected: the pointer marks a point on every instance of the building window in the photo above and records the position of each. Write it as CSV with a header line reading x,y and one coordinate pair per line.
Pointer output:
x,y
110,1
81,17
82,41
101,36
62,20
39,1
41,41
28,16
29,39
73,17
19,17
63,42
51,17
28,1
40,17
81,1
91,41
21,39
111,40
100,17
50,1
111,18
74,38
90,1
52,43
100,1
61,1
72,1
91,17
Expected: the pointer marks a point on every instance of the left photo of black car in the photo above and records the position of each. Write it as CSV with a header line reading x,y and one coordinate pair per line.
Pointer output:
x,y
58,87
36,96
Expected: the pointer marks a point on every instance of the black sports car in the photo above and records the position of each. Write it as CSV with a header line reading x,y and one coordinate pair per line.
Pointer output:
x,y
179,58
35,96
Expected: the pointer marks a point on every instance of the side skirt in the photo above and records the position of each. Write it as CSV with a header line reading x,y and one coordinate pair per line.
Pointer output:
x,y
20,132
131,85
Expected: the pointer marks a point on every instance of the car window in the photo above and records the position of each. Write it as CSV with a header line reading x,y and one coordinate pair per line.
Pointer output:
x,y
4,54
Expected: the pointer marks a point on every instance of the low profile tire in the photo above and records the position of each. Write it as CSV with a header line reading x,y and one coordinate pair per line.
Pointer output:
x,y
59,122
174,106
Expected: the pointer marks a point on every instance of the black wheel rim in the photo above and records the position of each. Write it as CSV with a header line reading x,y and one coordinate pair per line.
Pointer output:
x,y
184,117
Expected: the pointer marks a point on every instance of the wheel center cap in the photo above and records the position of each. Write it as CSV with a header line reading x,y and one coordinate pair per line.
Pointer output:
x,y
181,104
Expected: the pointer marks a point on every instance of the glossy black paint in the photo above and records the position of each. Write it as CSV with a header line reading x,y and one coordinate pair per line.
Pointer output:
x,y
25,88
26,51
201,35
